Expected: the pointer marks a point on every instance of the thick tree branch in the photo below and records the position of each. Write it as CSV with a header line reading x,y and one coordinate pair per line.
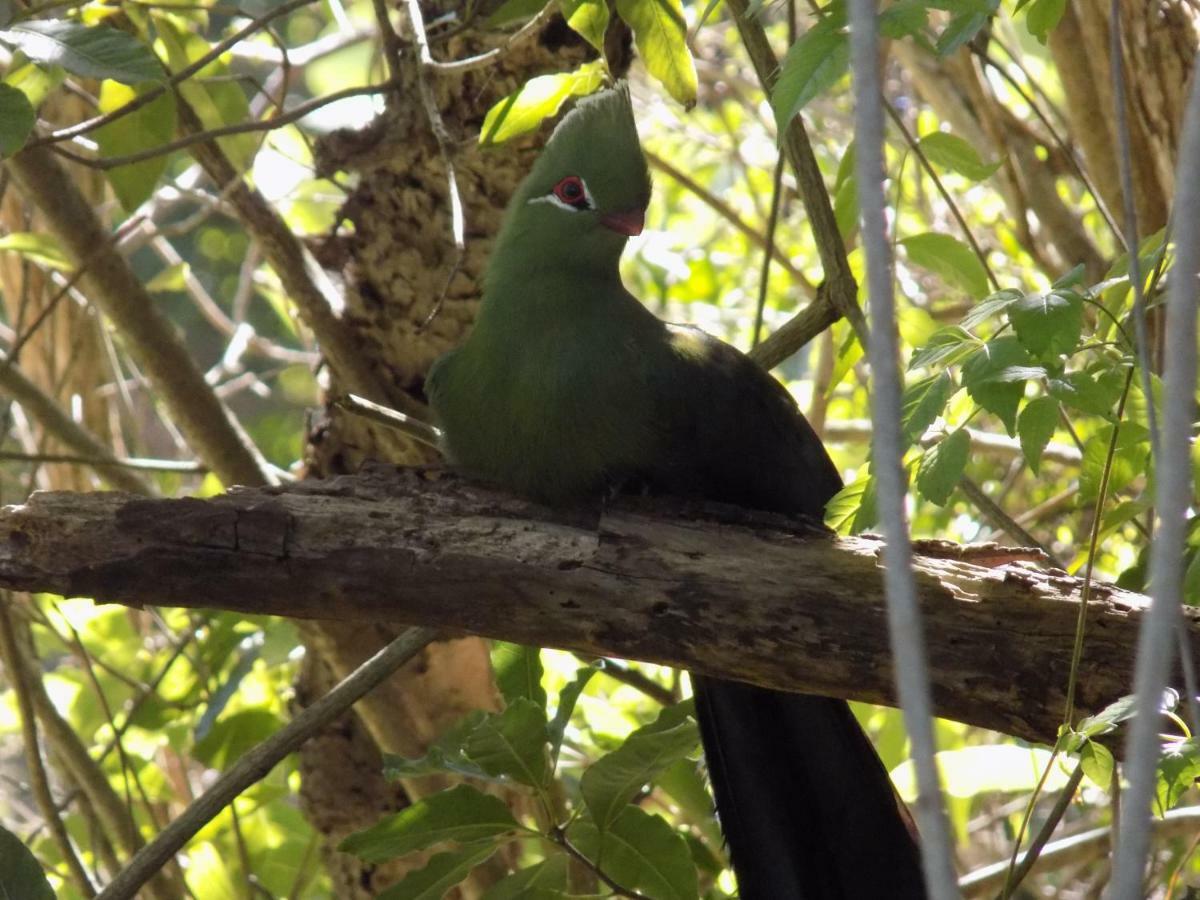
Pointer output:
x,y
751,596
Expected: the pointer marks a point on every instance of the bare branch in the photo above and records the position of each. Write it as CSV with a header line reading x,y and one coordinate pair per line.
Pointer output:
x,y
686,586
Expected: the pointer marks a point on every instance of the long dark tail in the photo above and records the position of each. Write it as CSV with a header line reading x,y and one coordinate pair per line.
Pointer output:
x,y
805,804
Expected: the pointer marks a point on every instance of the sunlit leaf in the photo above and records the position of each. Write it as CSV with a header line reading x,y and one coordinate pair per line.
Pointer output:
x,y
92,52
536,100
814,63
945,348
1035,426
615,779
588,18
1048,324
922,403
461,814
942,466
949,258
990,306
518,671
951,152
43,249
149,126
852,510
990,377
513,743
1043,16
660,32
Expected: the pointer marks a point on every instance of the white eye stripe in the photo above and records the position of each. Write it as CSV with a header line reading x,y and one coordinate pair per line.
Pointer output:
x,y
553,198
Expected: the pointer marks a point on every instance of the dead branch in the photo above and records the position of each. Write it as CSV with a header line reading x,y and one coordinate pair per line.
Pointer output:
x,y
757,597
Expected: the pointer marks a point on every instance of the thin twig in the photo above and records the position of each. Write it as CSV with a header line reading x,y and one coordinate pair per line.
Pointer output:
x,y
256,763
633,678
764,277
427,434
528,30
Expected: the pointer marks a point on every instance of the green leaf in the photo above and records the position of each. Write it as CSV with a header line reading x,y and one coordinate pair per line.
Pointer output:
x,y
942,466
588,18
567,699
444,755
548,875
215,98
990,306
612,781
1107,720
513,743
962,28
923,402
1130,460
991,377
149,126
1082,391
235,734
518,672
43,249
1097,762
1178,770
950,259
1036,426
536,100
951,152
513,11
660,32
852,510
90,51
462,814
905,19
818,59
442,872
172,278
640,852
946,347
1048,324
21,878
16,119
1043,16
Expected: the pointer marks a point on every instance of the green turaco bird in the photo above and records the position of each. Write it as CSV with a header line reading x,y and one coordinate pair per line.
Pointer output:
x,y
568,388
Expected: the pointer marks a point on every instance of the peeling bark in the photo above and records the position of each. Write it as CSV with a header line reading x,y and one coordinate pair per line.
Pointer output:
x,y
756,597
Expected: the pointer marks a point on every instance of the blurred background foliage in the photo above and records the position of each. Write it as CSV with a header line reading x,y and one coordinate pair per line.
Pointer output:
x,y
1018,376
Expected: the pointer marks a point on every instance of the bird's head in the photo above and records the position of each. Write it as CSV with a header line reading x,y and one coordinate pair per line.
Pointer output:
x,y
590,187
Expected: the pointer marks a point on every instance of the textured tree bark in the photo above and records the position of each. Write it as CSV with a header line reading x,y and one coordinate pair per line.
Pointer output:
x,y
757,597
395,263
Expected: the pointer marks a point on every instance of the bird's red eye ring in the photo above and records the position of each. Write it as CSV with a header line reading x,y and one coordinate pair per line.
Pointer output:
x,y
572,192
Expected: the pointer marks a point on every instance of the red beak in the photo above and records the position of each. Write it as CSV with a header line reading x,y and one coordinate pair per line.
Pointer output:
x,y
627,221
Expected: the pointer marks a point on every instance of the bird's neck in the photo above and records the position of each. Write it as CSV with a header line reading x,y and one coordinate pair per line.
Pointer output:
x,y
530,285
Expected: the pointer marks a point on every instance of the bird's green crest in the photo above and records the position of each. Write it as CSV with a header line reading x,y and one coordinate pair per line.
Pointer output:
x,y
597,142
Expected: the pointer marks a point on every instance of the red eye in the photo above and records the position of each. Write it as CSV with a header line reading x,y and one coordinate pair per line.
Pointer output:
x,y
572,192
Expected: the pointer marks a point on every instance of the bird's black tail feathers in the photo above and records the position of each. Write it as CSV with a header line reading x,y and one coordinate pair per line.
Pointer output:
x,y
805,803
